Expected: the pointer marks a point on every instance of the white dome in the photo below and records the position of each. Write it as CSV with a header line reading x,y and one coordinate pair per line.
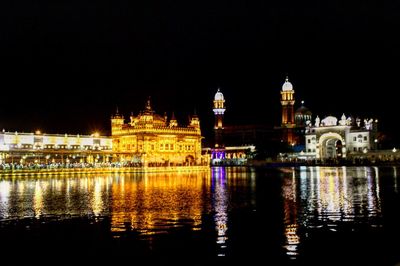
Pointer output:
x,y
219,96
287,86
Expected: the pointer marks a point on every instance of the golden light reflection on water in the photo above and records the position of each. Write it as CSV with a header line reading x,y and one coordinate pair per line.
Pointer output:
x,y
158,201
327,196
38,199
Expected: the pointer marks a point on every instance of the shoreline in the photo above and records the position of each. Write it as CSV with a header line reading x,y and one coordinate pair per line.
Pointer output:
x,y
67,171
324,164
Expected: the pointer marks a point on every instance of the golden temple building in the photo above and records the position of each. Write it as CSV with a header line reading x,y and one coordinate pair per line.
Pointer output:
x,y
150,139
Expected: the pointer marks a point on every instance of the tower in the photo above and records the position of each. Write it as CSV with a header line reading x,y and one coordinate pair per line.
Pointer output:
x,y
219,110
287,101
117,122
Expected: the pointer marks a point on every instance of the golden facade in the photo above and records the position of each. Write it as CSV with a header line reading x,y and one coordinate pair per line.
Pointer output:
x,y
151,140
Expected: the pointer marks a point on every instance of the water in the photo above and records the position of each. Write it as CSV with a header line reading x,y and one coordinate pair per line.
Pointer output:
x,y
285,216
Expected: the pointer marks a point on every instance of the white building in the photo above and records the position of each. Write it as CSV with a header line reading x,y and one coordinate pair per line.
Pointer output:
x,y
330,138
26,147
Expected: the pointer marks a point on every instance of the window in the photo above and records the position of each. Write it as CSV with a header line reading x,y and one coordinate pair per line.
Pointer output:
x,y
313,150
365,138
309,141
354,139
172,146
359,148
309,150
161,146
354,149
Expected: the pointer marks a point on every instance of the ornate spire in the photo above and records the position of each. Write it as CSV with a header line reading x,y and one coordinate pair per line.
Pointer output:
x,y
148,104
173,122
117,114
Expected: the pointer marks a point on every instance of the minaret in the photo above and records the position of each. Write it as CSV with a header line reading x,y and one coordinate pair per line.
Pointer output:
x,y
117,121
219,110
287,101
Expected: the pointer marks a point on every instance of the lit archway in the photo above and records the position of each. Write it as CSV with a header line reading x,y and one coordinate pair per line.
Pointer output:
x,y
331,146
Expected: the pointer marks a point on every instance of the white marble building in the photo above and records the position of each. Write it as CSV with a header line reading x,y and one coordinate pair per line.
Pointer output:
x,y
330,138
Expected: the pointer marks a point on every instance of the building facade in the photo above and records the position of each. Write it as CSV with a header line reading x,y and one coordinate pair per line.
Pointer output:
x,y
330,139
149,139
25,148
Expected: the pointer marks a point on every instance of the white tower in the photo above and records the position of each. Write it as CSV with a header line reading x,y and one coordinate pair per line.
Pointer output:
x,y
219,110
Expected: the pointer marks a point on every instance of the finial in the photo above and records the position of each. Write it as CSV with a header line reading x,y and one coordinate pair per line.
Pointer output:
x,y
117,111
173,116
287,78
148,104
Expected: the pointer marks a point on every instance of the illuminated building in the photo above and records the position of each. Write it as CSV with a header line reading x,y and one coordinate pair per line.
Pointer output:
x,y
149,140
302,116
293,123
219,110
287,102
36,147
221,153
330,138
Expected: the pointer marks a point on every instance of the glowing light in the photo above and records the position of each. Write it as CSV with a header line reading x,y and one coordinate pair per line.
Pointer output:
x,y
38,132
394,150
38,202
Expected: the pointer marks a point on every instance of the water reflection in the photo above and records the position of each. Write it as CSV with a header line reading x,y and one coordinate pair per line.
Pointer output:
x,y
56,196
289,191
221,204
154,203
316,197
219,183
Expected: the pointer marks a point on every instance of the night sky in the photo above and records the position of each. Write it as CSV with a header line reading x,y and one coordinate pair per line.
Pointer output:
x,y
66,65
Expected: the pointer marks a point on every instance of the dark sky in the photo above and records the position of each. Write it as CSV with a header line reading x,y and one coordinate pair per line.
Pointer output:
x,y
66,65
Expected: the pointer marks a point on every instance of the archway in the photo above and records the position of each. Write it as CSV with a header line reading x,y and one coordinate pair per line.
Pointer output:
x,y
331,146
189,160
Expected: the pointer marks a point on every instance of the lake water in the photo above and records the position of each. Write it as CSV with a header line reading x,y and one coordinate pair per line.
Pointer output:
x,y
233,215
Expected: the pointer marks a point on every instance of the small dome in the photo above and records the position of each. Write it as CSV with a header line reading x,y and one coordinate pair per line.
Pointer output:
x,y
302,110
219,96
287,86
